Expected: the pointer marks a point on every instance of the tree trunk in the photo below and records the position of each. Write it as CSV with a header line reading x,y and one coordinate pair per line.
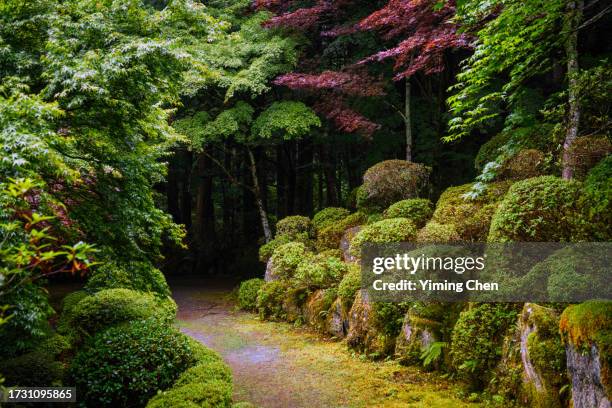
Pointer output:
x,y
185,201
281,183
205,217
408,121
305,176
574,17
172,192
258,199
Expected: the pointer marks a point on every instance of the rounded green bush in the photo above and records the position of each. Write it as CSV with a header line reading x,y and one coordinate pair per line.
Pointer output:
x,y
215,370
68,306
540,209
125,365
247,293
390,181
34,369
201,353
112,306
209,394
389,230
417,210
134,275
320,272
287,257
270,299
294,225
329,216
350,284
598,198
470,217
434,233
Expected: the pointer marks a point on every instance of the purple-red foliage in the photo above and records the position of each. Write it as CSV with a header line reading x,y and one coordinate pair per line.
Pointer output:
x,y
348,83
345,118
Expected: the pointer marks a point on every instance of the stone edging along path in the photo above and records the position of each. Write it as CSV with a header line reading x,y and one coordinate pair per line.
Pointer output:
x,y
278,365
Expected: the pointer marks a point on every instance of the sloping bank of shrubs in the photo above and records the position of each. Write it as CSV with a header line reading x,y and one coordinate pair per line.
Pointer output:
x,y
115,342
510,354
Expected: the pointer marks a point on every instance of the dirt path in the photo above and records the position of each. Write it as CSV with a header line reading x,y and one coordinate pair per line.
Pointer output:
x,y
278,365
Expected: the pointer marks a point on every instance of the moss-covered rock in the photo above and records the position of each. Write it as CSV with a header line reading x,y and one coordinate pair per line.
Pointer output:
x,y
329,216
471,218
365,334
416,335
247,293
586,330
435,233
295,225
586,152
345,244
286,259
390,181
337,321
417,210
385,231
526,163
314,309
541,209
330,236
293,304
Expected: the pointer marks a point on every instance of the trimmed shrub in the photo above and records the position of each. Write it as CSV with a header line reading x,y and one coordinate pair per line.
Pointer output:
x,y
349,285
329,237
68,306
270,299
287,257
294,225
215,370
201,353
247,293
267,249
113,306
586,152
34,369
541,209
54,345
320,272
134,275
598,198
390,181
434,233
329,216
390,230
209,394
526,163
127,364
417,210
470,217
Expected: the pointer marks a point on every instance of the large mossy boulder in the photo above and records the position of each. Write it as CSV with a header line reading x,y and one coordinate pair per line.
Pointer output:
x,y
337,320
381,232
391,181
417,210
345,244
469,217
586,330
416,335
542,357
541,209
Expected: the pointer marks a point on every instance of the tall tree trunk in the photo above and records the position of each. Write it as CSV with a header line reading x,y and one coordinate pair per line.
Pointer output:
x,y
305,176
172,192
205,217
408,121
281,183
574,16
265,225
185,199
291,177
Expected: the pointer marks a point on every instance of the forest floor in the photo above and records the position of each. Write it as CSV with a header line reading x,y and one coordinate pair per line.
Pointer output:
x,y
279,365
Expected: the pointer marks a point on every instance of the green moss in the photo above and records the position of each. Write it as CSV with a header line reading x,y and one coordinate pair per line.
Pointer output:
x,y
389,230
247,293
67,315
588,323
287,257
135,275
330,236
417,210
526,163
470,217
541,209
586,152
390,181
434,233
270,299
113,306
209,394
329,216
349,285
55,345
294,225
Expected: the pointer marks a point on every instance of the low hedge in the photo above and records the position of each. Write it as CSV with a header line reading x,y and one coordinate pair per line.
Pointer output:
x,y
247,293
